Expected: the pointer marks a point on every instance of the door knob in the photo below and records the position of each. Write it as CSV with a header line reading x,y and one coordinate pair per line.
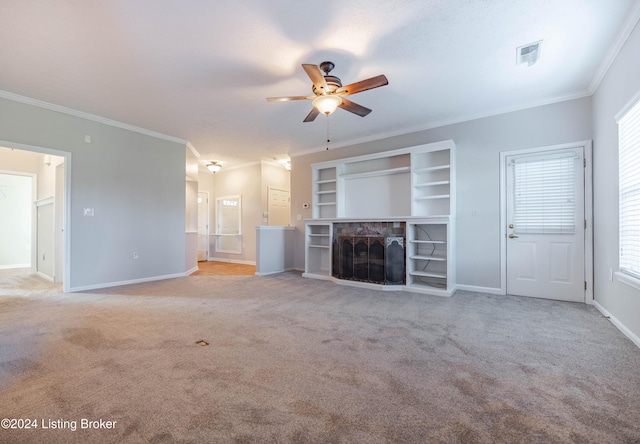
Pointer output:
x,y
512,236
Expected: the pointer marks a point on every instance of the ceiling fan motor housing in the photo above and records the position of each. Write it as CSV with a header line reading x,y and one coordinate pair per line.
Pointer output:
x,y
333,83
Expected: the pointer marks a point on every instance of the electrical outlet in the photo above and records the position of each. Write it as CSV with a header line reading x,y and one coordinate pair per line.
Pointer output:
x,y
136,256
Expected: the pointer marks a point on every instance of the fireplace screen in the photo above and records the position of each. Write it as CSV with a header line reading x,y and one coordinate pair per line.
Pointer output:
x,y
369,252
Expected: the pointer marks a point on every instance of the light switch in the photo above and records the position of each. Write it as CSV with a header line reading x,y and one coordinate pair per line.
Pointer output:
x,y
88,212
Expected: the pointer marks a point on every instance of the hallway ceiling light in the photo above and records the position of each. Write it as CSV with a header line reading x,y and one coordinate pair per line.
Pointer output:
x,y
214,167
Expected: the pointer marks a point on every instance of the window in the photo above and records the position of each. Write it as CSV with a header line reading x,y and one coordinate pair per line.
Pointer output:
x,y
545,194
629,188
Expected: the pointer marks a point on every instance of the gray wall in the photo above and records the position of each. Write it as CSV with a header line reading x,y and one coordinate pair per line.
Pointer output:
x,y
479,143
618,87
134,182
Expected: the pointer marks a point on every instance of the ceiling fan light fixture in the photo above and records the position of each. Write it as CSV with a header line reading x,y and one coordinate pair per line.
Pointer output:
x,y
214,167
327,104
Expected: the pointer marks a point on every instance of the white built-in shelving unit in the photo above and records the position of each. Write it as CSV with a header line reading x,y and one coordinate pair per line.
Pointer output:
x,y
429,256
415,185
318,250
433,184
325,192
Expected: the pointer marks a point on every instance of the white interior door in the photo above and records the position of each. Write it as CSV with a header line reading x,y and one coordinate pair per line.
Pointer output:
x,y
279,203
545,225
203,226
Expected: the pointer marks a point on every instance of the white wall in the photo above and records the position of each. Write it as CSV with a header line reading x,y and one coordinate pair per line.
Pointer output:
x,y
479,143
19,161
621,83
16,204
134,182
47,176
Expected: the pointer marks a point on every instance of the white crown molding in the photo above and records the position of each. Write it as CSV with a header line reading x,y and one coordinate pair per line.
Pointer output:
x,y
624,33
441,123
242,165
87,116
193,150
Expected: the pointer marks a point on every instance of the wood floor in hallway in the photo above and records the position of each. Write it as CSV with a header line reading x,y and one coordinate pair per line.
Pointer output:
x,y
216,268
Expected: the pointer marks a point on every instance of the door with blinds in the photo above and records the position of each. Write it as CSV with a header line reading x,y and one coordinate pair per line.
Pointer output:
x,y
545,225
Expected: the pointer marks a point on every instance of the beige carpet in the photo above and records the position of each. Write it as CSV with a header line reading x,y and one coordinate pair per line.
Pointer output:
x,y
293,360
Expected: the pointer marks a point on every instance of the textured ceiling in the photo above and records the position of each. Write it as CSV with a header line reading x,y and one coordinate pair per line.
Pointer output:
x,y
201,70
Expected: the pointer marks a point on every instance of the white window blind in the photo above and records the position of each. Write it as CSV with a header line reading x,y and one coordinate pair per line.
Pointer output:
x,y
629,186
545,195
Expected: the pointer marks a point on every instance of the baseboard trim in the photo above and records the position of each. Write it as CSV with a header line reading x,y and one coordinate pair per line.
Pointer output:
x,y
129,282
273,272
10,267
193,270
619,325
477,289
231,261
44,276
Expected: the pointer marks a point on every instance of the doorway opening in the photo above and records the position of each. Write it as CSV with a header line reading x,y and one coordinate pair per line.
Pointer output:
x,y
48,204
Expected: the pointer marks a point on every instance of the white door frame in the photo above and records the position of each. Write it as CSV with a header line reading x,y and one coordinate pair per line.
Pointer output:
x,y
66,283
588,211
208,224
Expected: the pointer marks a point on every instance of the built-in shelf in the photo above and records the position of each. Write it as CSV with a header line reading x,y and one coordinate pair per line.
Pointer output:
x,y
432,184
428,258
437,196
432,168
318,254
386,172
428,274
415,186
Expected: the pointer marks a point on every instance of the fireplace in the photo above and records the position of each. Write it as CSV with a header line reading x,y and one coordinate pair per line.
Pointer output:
x,y
369,252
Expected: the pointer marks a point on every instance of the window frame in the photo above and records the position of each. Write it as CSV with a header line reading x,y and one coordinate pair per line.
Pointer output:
x,y
629,277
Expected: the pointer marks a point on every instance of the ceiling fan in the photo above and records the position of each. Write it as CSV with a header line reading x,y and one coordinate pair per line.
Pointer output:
x,y
329,92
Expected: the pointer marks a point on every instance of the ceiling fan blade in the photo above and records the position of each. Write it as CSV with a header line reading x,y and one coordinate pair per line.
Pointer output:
x,y
354,108
363,85
314,73
286,99
312,115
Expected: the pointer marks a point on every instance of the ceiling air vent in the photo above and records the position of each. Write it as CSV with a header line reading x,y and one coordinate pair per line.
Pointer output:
x,y
528,53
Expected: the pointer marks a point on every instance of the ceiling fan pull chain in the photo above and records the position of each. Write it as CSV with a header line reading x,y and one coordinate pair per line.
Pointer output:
x,y
328,133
